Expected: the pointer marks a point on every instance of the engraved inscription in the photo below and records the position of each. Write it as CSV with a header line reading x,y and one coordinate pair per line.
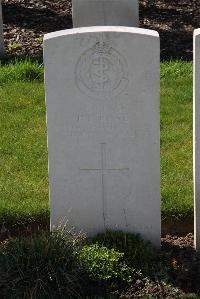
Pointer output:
x,y
103,170
101,71
97,123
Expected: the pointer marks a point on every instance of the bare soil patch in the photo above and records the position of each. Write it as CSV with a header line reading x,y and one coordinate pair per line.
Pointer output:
x,y
26,21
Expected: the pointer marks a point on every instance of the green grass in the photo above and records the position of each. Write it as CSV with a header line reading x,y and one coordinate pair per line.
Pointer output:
x,y
18,71
23,149
176,139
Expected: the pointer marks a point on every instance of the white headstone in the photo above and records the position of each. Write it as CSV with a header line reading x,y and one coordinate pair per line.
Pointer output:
x,y
1,31
196,146
102,97
105,13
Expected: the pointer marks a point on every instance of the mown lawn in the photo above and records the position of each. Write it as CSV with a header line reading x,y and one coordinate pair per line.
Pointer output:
x,y
23,148
176,139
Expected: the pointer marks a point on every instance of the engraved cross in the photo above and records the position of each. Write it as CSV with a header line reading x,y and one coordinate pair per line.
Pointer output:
x,y
103,170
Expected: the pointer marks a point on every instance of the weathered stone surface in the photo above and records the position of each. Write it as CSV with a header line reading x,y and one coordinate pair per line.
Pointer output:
x,y
197,137
1,31
105,13
102,97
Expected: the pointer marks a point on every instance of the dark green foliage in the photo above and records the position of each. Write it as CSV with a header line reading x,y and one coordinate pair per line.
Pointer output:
x,y
59,265
138,253
62,265
42,266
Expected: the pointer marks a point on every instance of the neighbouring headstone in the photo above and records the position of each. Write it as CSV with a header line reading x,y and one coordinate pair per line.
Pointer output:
x,y
105,13
1,31
196,135
102,97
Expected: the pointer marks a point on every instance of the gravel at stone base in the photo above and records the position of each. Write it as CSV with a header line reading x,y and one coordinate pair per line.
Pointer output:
x,y
25,23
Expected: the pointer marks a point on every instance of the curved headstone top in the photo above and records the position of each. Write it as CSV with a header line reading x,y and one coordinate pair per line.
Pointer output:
x,y
105,13
106,29
196,32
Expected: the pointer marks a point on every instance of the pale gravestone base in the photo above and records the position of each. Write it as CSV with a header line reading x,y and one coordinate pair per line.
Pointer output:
x,y
102,97
196,138
2,51
105,13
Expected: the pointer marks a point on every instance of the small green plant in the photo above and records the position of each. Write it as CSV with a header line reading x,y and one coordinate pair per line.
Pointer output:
x,y
39,40
15,46
42,266
103,264
137,253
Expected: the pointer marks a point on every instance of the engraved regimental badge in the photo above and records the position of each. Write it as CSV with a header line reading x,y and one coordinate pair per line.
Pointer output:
x,y
101,71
